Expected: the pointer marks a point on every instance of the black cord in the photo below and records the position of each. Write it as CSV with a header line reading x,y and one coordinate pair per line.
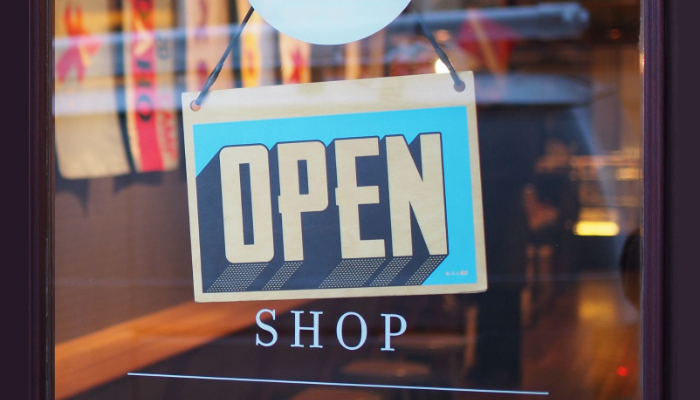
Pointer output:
x,y
197,104
459,84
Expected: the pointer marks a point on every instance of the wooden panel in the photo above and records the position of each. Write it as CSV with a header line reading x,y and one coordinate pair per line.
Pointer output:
x,y
91,360
122,244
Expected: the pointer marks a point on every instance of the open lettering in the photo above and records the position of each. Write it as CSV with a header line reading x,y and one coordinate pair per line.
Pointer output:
x,y
305,174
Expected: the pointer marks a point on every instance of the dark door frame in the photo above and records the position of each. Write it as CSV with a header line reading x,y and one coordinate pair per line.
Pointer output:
x,y
677,370
41,168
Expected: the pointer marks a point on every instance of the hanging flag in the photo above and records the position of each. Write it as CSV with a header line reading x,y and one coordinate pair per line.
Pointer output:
x,y
377,50
365,58
149,79
207,25
89,142
410,55
488,44
257,46
353,60
294,57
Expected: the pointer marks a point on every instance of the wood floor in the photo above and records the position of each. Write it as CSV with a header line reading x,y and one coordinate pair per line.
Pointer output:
x,y
585,345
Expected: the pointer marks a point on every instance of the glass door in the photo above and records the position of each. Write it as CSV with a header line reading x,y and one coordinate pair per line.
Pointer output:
x,y
558,108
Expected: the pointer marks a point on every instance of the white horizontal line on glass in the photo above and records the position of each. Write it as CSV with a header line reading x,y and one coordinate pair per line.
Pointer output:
x,y
339,384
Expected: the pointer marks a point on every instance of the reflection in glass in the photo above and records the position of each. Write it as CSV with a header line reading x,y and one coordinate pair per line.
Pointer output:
x,y
559,112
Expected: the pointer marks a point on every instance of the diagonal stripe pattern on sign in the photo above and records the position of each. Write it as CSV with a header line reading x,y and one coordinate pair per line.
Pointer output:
x,y
391,271
237,277
282,275
352,273
425,270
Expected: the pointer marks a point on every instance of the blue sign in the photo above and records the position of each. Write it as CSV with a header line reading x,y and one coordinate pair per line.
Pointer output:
x,y
355,204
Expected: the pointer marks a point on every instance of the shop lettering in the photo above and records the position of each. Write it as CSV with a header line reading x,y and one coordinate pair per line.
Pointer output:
x,y
412,191
271,337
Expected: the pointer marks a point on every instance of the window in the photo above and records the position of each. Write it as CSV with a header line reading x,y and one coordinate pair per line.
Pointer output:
x,y
558,102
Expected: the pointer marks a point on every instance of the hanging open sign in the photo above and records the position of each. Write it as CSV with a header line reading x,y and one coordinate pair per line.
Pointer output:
x,y
337,189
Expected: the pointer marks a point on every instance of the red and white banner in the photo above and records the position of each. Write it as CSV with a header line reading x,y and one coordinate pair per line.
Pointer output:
x,y
257,44
353,60
208,34
488,44
376,47
149,65
294,57
89,141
